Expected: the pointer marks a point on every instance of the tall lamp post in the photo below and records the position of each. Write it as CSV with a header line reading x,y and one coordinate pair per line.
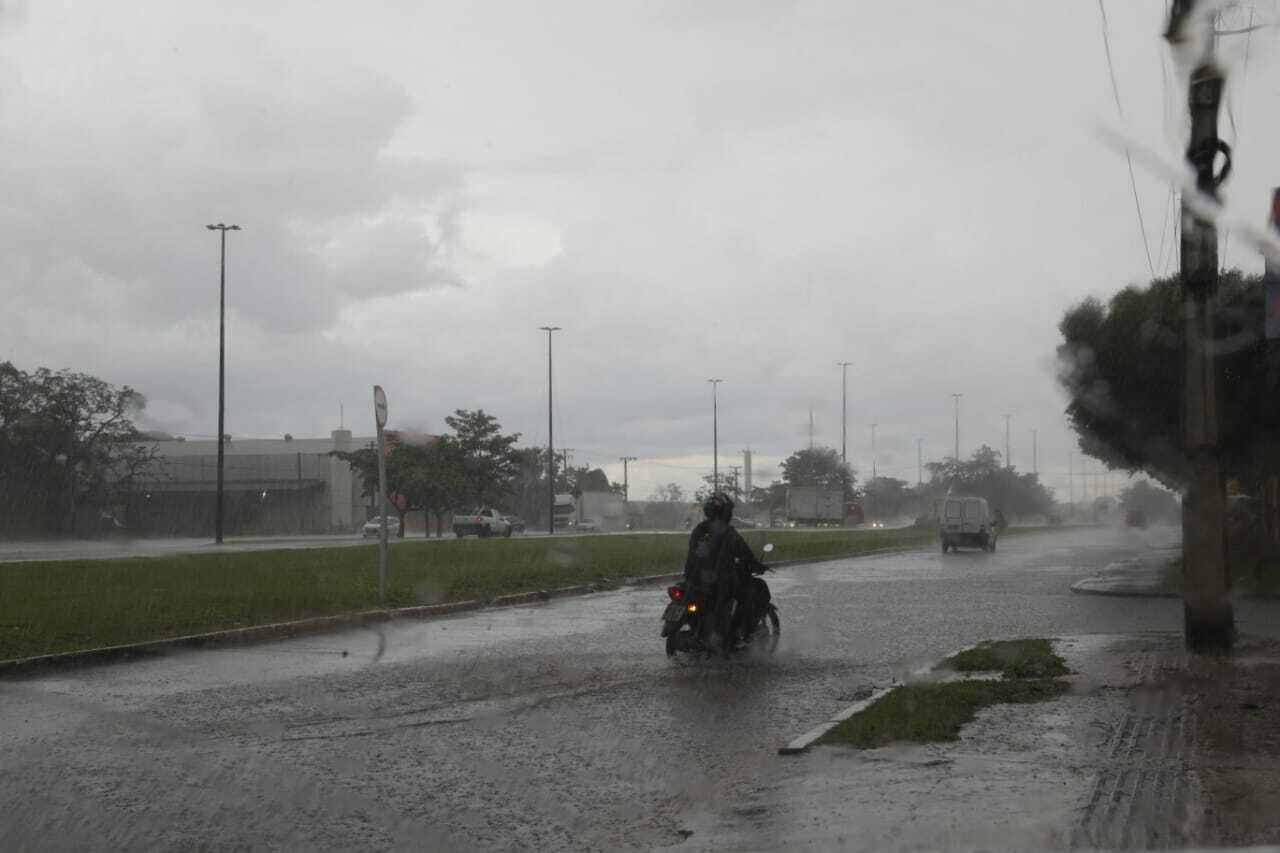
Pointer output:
x,y
715,434
551,444
222,372
957,397
626,480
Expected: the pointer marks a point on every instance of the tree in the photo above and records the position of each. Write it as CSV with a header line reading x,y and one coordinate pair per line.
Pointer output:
x,y
488,457
669,493
1155,503
887,497
68,449
983,475
817,466
1123,365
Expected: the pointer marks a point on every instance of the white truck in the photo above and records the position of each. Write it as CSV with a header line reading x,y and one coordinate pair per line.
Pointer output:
x,y
483,523
815,505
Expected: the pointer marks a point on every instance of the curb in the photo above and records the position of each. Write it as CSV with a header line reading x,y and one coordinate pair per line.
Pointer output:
x,y
806,740
318,624
1082,588
802,743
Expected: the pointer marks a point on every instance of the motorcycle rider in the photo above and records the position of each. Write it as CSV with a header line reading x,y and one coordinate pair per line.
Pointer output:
x,y
721,562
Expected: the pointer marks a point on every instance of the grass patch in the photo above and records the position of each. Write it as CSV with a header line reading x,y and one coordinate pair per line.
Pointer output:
x,y
1011,658
925,713
58,606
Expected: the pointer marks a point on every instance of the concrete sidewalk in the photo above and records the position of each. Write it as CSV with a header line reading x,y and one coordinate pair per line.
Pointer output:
x,y
1151,748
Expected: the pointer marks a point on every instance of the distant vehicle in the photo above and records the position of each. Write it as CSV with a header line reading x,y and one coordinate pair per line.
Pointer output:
x,y
516,522
966,522
1135,518
876,524
586,526
815,505
373,527
566,511
745,523
483,523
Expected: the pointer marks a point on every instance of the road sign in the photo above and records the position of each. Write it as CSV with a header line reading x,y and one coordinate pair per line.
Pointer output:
x,y
379,406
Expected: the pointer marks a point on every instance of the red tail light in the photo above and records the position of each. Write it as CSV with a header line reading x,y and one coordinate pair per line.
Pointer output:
x,y
675,592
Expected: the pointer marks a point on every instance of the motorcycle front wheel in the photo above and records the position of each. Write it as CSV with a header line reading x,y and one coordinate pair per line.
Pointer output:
x,y
769,631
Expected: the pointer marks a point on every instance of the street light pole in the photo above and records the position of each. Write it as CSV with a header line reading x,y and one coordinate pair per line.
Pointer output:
x,y
919,460
1008,461
873,452
626,482
957,400
844,409
551,444
1035,452
222,373
715,434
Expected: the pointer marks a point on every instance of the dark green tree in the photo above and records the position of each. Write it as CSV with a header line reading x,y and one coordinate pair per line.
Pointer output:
x,y
1123,363
818,466
69,450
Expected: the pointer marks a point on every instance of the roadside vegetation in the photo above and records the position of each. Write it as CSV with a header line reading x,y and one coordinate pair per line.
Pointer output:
x,y
937,711
49,607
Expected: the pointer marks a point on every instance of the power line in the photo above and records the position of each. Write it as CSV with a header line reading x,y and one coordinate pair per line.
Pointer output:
x,y
1133,181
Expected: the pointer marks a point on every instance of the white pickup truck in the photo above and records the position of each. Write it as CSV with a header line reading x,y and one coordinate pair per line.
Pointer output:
x,y
483,523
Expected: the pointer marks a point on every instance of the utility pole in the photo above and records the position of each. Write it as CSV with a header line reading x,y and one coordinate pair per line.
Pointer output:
x,y
844,410
715,434
873,451
733,475
957,397
746,472
1209,623
811,427
1035,452
1071,478
626,483
222,373
551,445
919,460
1008,457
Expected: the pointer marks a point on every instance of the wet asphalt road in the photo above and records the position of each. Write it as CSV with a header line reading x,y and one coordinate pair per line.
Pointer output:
x,y
553,726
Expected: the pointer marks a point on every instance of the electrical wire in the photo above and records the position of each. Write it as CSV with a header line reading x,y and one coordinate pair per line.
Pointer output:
x,y
1133,181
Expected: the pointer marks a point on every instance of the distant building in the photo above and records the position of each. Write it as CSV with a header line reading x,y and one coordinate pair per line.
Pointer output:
x,y
270,486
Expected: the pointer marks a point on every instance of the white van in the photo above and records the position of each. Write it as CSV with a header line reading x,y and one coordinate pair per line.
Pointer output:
x,y
966,522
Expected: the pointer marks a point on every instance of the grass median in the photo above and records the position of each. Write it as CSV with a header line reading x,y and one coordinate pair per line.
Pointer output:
x,y
937,711
61,606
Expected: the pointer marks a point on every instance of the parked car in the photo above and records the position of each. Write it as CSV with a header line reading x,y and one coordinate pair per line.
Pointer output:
x,y
483,523
516,522
373,527
966,522
745,523
586,526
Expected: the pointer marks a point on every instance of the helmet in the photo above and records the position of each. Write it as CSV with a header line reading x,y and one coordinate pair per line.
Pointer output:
x,y
719,505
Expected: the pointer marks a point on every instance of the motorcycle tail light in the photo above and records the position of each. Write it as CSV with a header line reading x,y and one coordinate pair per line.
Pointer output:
x,y
675,592
693,608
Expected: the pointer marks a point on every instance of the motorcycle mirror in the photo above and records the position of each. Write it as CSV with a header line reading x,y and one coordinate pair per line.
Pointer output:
x,y
768,548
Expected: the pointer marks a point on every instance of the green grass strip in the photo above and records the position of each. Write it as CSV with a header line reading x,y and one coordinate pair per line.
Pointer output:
x,y
59,606
926,713
1011,658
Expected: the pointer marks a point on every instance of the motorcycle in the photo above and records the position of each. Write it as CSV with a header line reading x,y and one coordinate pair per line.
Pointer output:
x,y
687,622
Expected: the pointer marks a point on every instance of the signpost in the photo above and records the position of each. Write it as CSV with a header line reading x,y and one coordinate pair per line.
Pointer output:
x,y
380,417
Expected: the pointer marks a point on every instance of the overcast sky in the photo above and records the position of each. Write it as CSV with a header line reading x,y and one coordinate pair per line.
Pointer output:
x,y
746,190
